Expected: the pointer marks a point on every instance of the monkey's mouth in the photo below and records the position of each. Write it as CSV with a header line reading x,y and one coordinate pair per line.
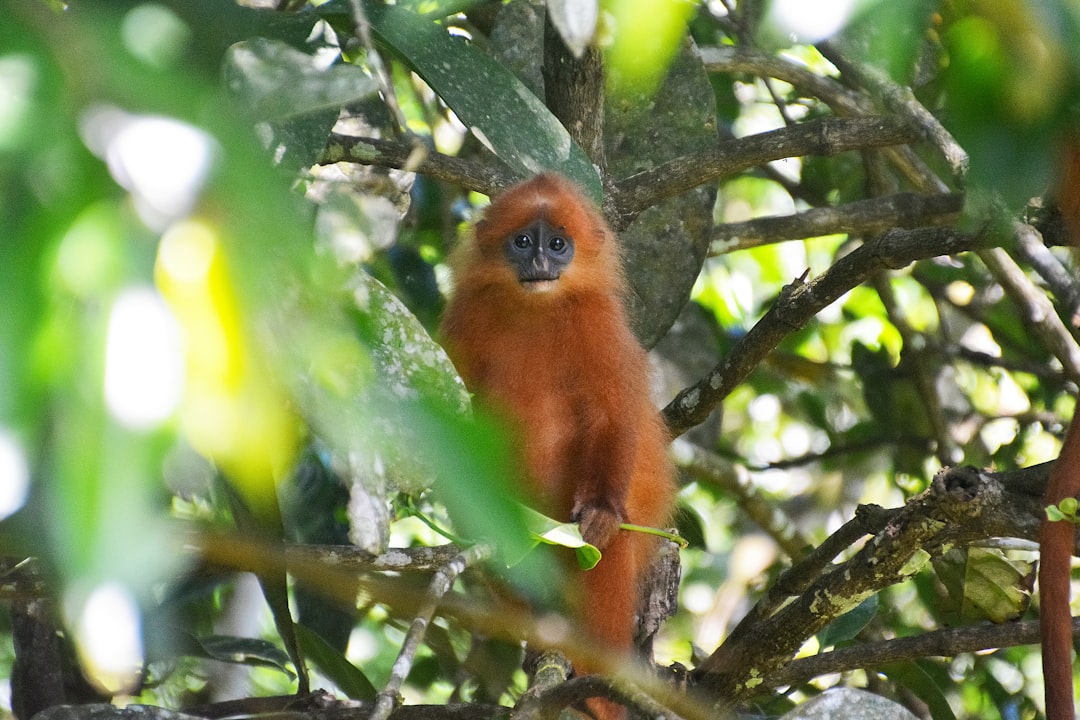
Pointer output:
x,y
539,284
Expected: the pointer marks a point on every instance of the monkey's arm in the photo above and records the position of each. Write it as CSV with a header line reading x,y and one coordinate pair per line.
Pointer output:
x,y
600,496
610,421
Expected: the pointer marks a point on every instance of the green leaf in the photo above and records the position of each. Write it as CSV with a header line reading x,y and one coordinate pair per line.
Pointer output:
x,y
497,108
277,81
911,676
995,587
552,532
983,584
254,652
848,625
1054,514
335,666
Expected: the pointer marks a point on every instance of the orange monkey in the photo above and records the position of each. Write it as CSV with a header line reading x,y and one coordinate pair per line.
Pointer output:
x,y
537,329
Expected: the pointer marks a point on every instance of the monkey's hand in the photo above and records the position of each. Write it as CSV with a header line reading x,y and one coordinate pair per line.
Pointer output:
x,y
598,523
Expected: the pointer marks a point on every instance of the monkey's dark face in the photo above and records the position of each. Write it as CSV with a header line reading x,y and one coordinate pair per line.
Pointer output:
x,y
539,254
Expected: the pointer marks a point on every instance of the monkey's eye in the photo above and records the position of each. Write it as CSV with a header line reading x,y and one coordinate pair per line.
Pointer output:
x,y
522,242
557,244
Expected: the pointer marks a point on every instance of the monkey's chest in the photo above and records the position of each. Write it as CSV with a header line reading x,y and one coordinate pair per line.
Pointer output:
x,y
545,421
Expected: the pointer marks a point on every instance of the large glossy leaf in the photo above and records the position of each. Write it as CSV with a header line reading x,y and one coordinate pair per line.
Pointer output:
x,y
496,107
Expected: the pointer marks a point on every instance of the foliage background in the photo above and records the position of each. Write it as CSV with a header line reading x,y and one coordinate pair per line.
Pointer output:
x,y
156,249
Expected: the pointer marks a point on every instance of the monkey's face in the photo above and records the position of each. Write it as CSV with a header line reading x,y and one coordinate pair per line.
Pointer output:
x,y
539,254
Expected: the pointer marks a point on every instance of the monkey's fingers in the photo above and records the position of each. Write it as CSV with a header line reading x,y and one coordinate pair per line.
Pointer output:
x,y
598,524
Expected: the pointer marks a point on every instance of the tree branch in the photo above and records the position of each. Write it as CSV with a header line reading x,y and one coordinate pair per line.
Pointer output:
x,y
961,504
349,558
440,585
826,137
798,303
1036,309
900,100
735,59
946,642
862,217
574,92
843,101
1062,282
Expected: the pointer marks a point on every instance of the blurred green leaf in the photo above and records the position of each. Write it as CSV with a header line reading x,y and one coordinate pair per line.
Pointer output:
x,y
276,81
646,36
890,35
1009,78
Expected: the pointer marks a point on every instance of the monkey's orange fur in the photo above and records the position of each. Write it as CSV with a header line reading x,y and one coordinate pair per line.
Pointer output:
x,y
564,369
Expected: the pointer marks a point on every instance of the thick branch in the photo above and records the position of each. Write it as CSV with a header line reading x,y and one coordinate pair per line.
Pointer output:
x,y
574,91
960,505
798,303
862,217
825,137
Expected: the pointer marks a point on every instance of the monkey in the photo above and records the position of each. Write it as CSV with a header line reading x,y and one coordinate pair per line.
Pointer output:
x,y
537,329
1057,539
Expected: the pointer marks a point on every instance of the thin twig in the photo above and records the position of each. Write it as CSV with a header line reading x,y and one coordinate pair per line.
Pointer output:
x,y
440,585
